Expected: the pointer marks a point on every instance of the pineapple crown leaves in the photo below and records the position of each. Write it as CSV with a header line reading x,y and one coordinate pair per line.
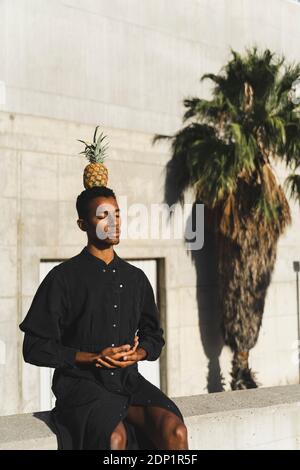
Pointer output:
x,y
95,151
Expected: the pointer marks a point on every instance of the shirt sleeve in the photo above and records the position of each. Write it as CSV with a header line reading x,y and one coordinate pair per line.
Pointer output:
x,y
43,326
150,333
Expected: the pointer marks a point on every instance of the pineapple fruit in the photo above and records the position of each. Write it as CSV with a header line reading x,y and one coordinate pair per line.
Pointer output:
x,y
95,173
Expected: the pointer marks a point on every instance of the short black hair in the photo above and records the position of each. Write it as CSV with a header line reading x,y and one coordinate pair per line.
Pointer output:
x,y
89,194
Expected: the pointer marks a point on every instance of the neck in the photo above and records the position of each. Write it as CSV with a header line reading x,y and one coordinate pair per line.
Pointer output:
x,y
105,253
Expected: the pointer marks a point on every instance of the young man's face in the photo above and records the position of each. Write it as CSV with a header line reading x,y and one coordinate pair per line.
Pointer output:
x,y
103,222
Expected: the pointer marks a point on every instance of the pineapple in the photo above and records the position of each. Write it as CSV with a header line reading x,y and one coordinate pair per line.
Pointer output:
x,y
95,173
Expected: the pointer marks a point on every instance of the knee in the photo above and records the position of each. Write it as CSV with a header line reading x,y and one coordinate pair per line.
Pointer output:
x,y
180,431
175,429
117,440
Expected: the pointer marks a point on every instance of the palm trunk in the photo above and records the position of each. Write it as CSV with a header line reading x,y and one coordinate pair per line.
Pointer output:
x,y
245,266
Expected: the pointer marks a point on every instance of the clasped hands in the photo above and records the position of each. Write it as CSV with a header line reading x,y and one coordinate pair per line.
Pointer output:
x,y
122,356
112,357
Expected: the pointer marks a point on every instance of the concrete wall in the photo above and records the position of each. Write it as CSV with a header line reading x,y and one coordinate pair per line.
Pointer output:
x,y
128,63
68,65
265,419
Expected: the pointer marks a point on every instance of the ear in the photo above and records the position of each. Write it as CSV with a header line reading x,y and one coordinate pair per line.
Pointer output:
x,y
82,225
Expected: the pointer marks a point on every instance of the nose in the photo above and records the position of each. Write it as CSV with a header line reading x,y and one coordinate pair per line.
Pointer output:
x,y
115,228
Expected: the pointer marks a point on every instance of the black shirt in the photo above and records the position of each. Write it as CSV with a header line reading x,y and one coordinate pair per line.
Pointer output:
x,y
84,304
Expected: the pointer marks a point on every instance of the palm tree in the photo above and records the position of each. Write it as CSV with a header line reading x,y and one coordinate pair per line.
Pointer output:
x,y
225,153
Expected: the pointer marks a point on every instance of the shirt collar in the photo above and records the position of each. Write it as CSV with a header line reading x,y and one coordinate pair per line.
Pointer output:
x,y
113,263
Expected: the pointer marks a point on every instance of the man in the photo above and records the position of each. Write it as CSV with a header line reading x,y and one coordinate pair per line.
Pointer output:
x,y
83,322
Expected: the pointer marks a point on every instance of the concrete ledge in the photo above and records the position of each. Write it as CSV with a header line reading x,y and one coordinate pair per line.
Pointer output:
x,y
29,431
265,418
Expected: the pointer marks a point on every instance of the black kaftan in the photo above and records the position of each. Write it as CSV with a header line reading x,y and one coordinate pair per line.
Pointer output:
x,y
84,304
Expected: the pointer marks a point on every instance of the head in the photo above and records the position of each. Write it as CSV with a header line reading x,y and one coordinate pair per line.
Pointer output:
x,y
99,215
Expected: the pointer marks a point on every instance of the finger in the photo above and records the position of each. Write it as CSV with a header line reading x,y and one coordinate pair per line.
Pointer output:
x,y
113,361
126,351
132,357
124,347
128,363
119,355
98,365
132,351
135,346
123,364
106,364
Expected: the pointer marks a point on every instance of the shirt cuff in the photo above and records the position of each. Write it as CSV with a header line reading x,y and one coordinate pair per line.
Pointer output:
x,y
147,347
67,357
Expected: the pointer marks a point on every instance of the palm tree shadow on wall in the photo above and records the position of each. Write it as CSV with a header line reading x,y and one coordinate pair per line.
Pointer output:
x,y
205,263
209,312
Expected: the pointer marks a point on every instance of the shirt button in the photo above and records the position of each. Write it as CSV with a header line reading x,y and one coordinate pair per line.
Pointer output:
x,y
114,270
112,373
121,285
113,344
114,325
104,270
115,306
